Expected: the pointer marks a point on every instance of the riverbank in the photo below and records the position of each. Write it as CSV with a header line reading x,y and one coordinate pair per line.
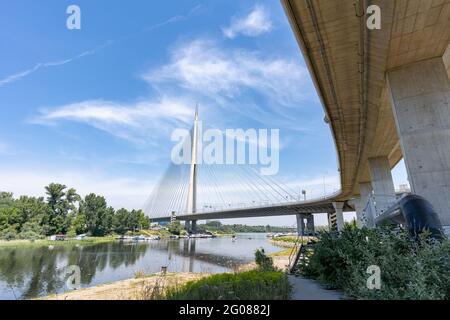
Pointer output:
x,y
46,242
140,288
143,287
163,234
289,242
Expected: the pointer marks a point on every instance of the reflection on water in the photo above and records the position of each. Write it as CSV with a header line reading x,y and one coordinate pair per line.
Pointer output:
x,y
28,272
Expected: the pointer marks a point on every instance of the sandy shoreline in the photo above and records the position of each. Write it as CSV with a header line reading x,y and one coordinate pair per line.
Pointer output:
x,y
138,288
129,289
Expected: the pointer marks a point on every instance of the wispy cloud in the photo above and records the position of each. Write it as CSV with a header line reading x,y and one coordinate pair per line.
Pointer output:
x,y
213,74
205,68
20,75
176,18
137,121
253,24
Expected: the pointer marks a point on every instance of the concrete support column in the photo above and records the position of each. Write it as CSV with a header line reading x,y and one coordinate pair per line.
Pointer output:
x,y
365,191
187,225
194,226
382,183
420,94
331,221
300,224
310,224
338,207
359,206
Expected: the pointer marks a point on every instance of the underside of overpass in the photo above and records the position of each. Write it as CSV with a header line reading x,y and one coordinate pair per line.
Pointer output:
x,y
350,65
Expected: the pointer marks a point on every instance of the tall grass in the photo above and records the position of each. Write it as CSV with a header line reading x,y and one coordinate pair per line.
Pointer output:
x,y
263,283
250,285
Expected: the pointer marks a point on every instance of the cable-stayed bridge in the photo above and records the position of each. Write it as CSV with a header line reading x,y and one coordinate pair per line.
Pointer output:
x,y
191,192
385,94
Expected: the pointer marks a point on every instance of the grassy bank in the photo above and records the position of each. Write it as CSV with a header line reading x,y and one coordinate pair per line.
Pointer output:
x,y
249,285
290,241
160,233
45,242
283,253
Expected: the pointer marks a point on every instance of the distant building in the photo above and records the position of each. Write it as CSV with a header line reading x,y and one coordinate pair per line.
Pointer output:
x,y
58,237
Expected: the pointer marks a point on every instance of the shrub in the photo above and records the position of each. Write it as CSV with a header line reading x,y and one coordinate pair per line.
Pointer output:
x,y
409,269
9,233
264,262
250,285
175,228
32,230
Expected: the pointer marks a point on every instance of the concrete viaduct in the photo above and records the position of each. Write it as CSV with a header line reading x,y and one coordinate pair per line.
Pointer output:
x,y
385,94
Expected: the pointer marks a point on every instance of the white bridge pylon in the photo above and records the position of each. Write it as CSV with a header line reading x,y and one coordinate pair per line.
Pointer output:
x,y
199,191
192,193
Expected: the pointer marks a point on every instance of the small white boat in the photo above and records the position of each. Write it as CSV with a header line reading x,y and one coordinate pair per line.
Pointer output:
x,y
201,236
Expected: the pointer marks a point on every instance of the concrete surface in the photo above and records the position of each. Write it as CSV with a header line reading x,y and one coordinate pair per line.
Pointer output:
x,y
307,289
421,103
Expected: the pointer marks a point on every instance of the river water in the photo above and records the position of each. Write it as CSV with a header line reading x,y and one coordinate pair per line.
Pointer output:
x,y
34,271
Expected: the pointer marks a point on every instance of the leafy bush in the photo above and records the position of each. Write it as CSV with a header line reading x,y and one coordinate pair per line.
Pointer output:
x,y
31,230
250,285
264,262
409,269
9,233
175,228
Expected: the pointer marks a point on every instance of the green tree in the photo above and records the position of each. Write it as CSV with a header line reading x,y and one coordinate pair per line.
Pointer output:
x,y
78,224
55,198
144,221
33,209
32,230
175,227
98,215
9,233
120,221
6,199
8,217
63,206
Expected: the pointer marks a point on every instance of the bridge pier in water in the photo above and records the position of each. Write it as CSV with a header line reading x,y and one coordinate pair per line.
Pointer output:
x,y
420,94
190,226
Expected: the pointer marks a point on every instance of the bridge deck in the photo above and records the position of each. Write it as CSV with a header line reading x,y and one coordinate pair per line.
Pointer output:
x,y
323,205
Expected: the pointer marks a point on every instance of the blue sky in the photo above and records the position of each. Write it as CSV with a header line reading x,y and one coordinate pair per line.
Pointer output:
x,y
94,108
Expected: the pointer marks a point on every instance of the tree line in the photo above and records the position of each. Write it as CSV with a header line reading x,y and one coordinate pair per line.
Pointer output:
x,y
217,226
64,211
